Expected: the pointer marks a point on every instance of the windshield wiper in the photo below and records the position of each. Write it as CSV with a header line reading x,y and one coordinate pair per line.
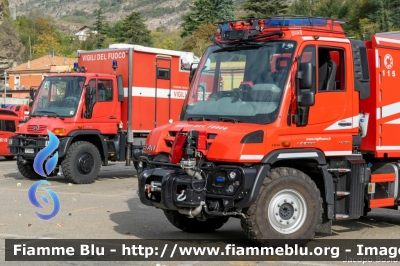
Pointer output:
x,y
227,119
50,112
196,118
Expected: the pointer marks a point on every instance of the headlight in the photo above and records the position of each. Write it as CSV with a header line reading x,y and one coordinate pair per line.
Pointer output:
x,y
232,175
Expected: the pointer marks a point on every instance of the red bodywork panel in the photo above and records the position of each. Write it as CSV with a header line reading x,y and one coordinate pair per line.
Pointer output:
x,y
383,105
8,125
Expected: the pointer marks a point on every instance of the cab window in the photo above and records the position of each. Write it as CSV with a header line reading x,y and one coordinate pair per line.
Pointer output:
x,y
7,125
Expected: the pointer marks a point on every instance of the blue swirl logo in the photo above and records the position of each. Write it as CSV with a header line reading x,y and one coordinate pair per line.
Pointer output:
x,y
49,165
35,202
46,152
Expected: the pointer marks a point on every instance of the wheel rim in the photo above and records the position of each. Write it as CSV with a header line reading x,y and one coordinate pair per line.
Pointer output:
x,y
287,211
85,163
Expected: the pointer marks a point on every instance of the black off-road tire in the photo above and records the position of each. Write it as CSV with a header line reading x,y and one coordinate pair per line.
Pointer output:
x,y
26,169
9,157
192,225
300,193
82,163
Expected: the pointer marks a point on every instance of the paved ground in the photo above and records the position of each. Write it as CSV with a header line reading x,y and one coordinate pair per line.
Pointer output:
x,y
110,209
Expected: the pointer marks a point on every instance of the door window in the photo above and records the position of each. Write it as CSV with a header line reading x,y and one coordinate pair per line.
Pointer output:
x,y
105,90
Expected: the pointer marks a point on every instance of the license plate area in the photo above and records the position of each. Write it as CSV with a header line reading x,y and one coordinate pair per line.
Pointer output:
x,y
28,150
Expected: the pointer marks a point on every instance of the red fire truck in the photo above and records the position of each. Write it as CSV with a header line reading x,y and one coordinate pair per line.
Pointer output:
x,y
105,110
288,125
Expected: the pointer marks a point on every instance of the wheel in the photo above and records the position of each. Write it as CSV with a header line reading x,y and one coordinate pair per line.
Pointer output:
x,y
26,169
289,207
82,163
192,225
9,157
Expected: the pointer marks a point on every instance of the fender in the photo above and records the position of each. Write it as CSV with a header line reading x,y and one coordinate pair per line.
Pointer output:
x,y
288,154
312,154
91,133
279,155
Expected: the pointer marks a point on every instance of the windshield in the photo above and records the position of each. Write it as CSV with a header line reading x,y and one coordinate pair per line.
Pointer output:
x,y
243,83
58,96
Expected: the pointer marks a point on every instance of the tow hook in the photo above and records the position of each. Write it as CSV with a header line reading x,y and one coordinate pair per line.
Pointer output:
x,y
152,187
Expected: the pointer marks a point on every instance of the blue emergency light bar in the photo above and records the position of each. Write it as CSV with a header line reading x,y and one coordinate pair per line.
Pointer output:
x,y
281,22
114,64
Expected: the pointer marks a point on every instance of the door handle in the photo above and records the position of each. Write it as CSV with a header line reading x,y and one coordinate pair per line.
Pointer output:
x,y
344,124
113,117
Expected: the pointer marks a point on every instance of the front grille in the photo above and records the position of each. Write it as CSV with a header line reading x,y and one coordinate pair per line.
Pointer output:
x,y
169,140
39,128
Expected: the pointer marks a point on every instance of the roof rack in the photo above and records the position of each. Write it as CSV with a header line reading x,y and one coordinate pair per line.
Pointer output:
x,y
289,21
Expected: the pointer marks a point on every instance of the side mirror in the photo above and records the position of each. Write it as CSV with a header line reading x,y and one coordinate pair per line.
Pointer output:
x,y
89,93
120,88
192,72
32,93
306,98
90,101
305,75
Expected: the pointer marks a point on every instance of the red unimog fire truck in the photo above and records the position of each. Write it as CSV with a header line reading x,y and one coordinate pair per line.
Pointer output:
x,y
105,110
288,125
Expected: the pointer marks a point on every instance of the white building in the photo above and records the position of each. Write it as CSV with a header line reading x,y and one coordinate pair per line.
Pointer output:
x,y
84,32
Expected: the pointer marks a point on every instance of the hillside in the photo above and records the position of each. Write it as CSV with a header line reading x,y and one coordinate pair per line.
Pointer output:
x,y
11,48
72,14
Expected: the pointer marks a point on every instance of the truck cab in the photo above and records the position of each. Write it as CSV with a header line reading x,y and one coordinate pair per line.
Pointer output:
x,y
268,132
102,111
83,111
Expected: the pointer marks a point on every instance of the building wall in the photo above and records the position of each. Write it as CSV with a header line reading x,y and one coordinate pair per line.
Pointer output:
x,y
26,80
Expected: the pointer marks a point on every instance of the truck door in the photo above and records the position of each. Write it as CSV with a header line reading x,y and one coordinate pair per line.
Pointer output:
x,y
162,97
328,125
7,130
103,115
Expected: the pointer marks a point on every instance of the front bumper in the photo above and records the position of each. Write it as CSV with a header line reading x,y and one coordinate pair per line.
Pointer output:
x,y
27,147
171,182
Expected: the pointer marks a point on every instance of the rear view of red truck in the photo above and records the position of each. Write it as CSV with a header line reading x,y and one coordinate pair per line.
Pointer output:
x,y
104,111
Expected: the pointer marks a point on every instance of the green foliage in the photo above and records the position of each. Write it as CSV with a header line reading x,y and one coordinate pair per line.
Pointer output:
x,y
99,26
200,39
225,9
166,39
386,14
201,12
265,8
133,30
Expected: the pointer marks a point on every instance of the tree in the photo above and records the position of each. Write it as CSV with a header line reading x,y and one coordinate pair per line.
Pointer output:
x,y
201,12
224,9
99,27
200,39
265,8
134,30
47,43
385,15
166,39
303,7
